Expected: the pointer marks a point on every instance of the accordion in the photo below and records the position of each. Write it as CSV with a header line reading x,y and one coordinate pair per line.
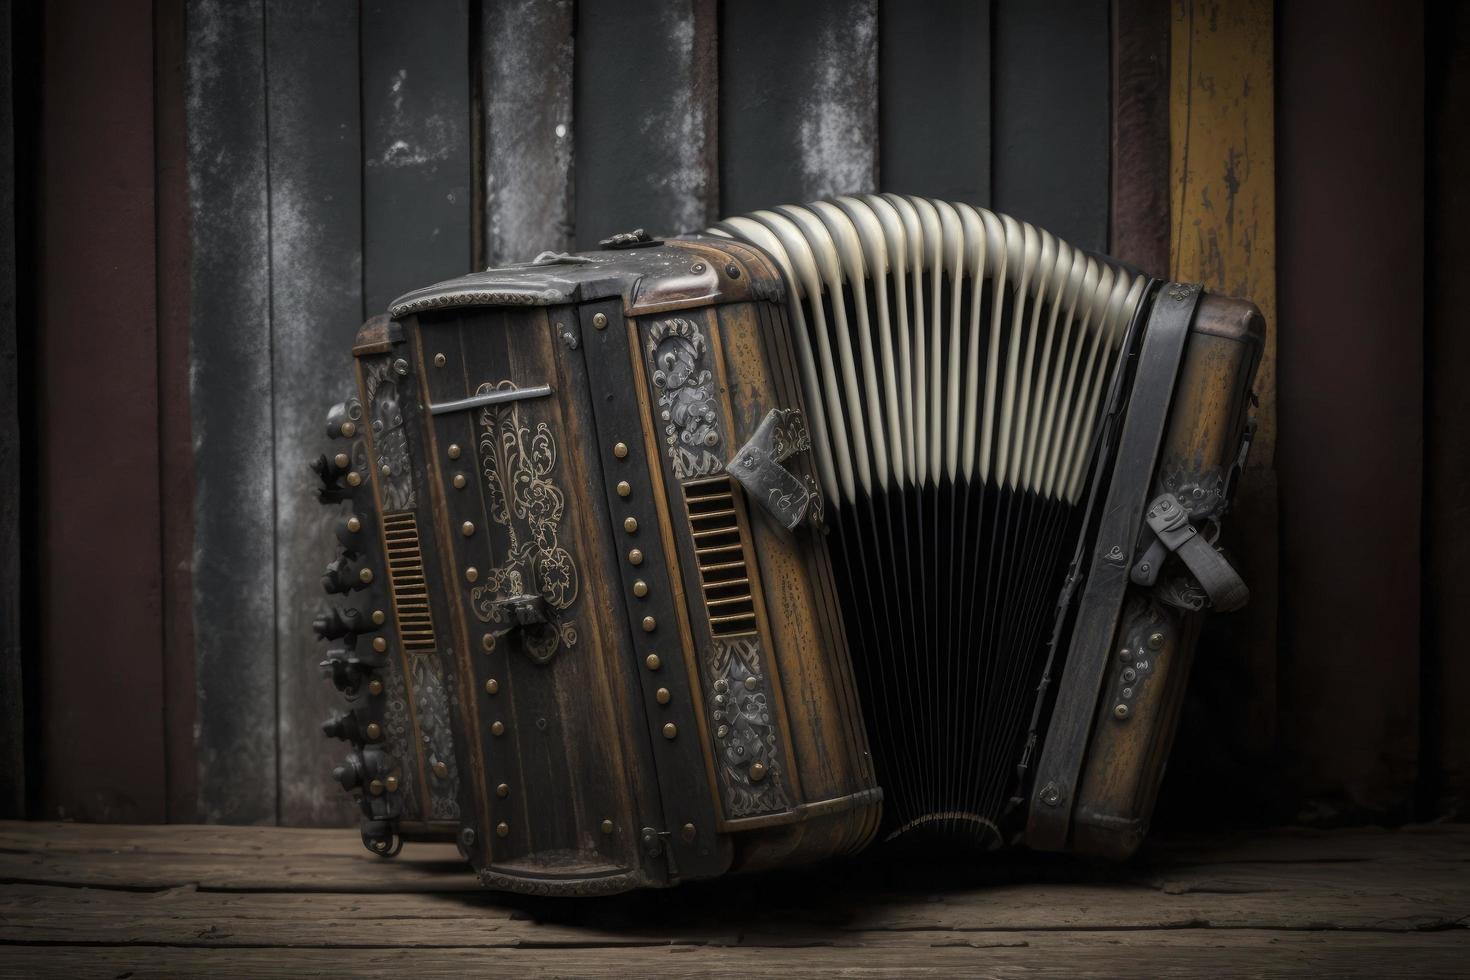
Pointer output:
x,y
877,518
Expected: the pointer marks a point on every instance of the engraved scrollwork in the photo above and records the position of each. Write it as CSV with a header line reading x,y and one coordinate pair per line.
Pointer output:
x,y
740,710
431,705
518,464
390,441
685,387
1202,492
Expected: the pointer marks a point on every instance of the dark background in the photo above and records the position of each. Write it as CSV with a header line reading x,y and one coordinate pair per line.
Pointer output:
x,y
203,198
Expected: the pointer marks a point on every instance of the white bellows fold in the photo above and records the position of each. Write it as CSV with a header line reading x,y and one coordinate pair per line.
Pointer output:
x,y
941,341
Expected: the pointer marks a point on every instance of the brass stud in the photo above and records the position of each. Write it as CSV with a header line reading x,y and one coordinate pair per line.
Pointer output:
x,y
454,450
391,784
662,695
440,769
635,556
502,791
623,488
502,829
1120,711
458,481
365,576
374,731
467,528
376,787
599,320
386,470
349,429
353,524
378,617
379,644
630,524
487,642
757,771
342,460
498,728
471,574
670,730
640,588
649,624
607,826
652,662
439,360
1125,655
354,479
492,686
375,687
688,831
750,682
1155,641
620,450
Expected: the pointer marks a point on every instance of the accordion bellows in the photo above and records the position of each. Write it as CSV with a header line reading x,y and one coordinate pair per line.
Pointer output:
x,y
879,517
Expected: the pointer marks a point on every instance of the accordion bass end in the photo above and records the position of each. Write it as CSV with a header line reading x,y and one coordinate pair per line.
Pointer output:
x,y
664,558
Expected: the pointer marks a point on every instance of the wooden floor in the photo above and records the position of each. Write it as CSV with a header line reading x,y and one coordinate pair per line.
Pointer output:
x,y
108,901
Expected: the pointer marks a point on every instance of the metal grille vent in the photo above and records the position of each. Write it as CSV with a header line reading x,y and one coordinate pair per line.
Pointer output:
x,y
720,556
410,589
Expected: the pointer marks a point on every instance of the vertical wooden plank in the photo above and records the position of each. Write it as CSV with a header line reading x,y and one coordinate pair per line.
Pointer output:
x,y
1352,267
175,438
526,84
645,137
1446,688
101,705
230,403
798,102
1050,122
316,308
12,706
1222,153
934,99
1138,220
416,145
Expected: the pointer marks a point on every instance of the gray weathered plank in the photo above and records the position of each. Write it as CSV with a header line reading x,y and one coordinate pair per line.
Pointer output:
x,y
645,87
316,307
416,144
12,708
934,99
526,106
1051,122
1192,952
230,395
798,102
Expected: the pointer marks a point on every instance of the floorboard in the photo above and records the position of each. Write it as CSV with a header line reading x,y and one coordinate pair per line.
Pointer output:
x,y
108,901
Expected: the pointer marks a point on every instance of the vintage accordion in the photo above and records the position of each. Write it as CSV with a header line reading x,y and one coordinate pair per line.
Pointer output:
x,y
664,558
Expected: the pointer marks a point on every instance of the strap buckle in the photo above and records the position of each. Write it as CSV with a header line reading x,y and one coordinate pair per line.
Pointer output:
x,y
1168,520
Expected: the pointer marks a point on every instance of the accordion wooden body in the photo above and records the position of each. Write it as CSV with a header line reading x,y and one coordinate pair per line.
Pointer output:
x,y
876,519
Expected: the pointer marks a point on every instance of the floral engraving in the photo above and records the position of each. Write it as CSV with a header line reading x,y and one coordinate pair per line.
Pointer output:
x,y
745,736
390,441
686,400
518,463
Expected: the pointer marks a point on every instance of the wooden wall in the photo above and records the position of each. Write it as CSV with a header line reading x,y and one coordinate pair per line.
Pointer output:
x,y
277,170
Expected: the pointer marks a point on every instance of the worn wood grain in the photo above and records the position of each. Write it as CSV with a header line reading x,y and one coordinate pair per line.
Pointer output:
x,y
798,102
416,145
12,706
1138,217
934,99
230,394
526,108
1223,210
316,307
96,462
645,139
1351,262
1072,954
1050,118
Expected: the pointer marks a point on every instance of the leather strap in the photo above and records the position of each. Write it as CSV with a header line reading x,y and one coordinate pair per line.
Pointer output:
x,y
1172,531
1065,747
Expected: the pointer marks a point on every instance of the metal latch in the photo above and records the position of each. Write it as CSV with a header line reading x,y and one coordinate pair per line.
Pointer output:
x,y
788,498
1169,521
